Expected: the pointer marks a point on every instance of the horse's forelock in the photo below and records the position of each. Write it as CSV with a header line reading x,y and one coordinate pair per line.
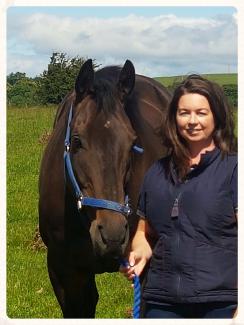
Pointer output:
x,y
105,87
106,96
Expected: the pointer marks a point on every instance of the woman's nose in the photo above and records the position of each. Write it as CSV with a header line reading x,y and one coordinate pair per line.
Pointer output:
x,y
193,119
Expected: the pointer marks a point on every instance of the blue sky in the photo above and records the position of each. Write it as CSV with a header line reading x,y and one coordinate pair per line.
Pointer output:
x,y
158,40
108,11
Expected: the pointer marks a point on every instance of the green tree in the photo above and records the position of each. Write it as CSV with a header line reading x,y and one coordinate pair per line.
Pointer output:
x,y
59,78
22,93
231,91
12,78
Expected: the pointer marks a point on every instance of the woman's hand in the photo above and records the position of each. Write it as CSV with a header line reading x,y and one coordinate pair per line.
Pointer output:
x,y
140,253
137,260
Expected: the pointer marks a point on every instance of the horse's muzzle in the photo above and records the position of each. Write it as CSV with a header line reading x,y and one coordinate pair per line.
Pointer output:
x,y
110,236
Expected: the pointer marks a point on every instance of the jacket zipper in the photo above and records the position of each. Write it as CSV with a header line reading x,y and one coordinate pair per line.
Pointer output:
x,y
179,276
175,214
175,209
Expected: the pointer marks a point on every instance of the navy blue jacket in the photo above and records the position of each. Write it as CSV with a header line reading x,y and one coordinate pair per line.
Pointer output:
x,y
195,256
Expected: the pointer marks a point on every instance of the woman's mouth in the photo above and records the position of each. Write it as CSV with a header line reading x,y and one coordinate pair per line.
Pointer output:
x,y
193,131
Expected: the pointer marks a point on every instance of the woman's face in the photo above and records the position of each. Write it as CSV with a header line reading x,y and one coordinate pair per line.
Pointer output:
x,y
194,118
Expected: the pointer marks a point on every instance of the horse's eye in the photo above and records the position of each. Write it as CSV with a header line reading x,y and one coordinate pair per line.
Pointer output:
x,y
76,142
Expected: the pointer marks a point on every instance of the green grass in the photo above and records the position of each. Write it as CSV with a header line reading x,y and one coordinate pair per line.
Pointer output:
x,y
222,79
29,292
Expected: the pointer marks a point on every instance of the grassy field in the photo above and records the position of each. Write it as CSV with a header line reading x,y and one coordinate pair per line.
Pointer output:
x,y
222,79
29,292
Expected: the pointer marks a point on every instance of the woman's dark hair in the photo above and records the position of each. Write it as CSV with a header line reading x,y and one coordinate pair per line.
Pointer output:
x,y
223,135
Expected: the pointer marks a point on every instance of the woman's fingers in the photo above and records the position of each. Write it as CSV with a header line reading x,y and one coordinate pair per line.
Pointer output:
x,y
136,264
140,266
127,271
132,259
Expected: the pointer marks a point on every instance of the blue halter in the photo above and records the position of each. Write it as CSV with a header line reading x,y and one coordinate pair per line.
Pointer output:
x,y
90,201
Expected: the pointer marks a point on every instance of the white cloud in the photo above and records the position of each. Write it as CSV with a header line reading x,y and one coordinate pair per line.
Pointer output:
x,y
32,65
160,45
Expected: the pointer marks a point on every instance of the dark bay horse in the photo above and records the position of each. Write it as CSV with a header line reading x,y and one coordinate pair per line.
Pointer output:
x,y
112,110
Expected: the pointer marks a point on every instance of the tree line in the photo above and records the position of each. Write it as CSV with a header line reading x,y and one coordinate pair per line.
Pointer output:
x,y
50,87
53,84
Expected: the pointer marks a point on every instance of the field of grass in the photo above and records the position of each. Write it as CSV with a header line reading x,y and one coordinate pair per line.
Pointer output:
x,y
222,79
29,292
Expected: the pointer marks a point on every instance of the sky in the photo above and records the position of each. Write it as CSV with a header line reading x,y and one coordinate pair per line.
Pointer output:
x,y
160,41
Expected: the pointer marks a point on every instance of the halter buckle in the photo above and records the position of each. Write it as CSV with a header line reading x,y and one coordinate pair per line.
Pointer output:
x,y
67,147
79,202
127,210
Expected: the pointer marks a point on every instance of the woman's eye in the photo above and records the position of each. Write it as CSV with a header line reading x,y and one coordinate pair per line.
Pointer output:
x,y
202,114
183,113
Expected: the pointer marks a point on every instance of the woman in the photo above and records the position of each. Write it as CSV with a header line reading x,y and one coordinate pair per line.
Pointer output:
x,y
188,204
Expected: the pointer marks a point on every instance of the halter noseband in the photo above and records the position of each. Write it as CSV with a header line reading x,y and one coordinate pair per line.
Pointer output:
x,y
84,200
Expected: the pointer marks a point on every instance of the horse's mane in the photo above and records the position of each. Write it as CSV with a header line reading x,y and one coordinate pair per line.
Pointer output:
x,y
105,89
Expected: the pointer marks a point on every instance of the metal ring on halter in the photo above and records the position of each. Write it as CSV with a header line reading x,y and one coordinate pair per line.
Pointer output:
x,y
79,202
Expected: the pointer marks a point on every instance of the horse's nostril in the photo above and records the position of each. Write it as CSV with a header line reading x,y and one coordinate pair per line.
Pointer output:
x,y
113,237
100,227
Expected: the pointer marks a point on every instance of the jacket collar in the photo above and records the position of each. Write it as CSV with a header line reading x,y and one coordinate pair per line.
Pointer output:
x,y
206,159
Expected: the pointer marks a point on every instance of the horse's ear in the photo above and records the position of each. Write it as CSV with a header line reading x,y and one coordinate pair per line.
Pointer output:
x,y
126,79
85,79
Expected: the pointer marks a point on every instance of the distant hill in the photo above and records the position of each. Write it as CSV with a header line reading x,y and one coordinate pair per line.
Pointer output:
x,y
221,78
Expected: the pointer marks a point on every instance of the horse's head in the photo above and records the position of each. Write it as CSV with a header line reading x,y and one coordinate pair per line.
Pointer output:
x,y
101,141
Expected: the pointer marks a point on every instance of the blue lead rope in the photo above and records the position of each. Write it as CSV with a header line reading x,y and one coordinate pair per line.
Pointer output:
x,y
137,292
137,297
